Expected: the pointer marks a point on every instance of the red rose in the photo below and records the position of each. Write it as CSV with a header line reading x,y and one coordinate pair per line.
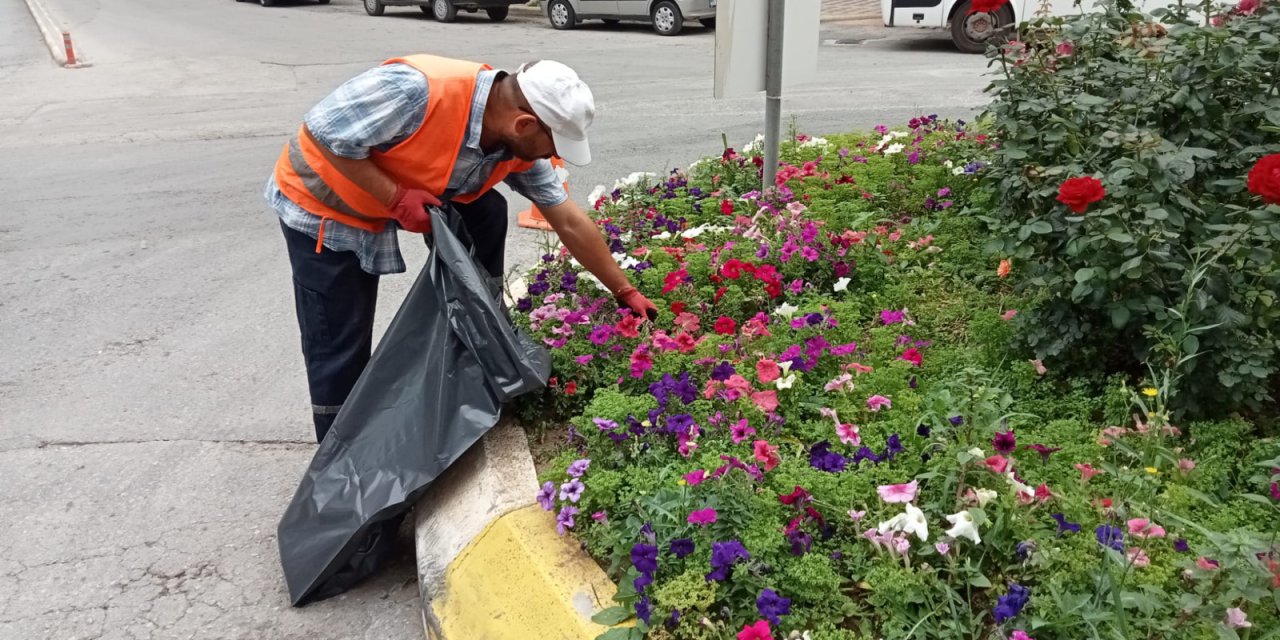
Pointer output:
x,y
986,6
1079,193
570,388
1264,179
726,326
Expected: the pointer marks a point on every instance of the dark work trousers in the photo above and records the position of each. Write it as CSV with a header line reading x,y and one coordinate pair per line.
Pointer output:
x,y
335,300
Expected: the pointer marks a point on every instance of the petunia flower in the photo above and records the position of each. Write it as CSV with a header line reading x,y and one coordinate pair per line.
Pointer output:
x,y
1109,536
1044,451
842,382
911,521
1019,634
564,519
767,371
766,401
1138,558
848,434
1005,442
571,491
842,284
766,454
984,496
1236,619
963,526
695,478
1010,605
702,517
1144,528
896,493
857,516
578,468
1087,471
681,547
741,431
942,548
1185,466
773,606
547,495
1009,315
758,631
878,402
1207,564
1064,526
998,464
787,382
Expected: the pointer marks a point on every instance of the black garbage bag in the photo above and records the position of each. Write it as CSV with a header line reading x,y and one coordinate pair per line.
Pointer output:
x,y
434,386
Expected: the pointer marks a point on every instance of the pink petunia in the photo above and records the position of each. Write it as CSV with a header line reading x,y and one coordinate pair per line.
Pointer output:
x,y
1207,564
741,431
876,403
766,401
998,464
695,478
913,356
859,367
702,517
768,371
842,382
1236,619
1138,557
766,453
1087,472
1186,465
848,434
1008,315
1019,634
896,493
1144,528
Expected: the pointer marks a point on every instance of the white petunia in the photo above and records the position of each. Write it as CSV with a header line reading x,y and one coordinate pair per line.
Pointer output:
x,y
814,142
787,382
977,453
963,526
985,496
751,147
627,262
596,194
1018,487
958,171
910,522
665,235
842,284
786,310
894,148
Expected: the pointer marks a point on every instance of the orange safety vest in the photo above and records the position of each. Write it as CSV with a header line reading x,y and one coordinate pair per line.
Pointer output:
x,y
423,161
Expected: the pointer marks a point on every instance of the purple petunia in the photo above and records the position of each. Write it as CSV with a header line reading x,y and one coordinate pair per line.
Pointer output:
x,y
681,547
822,458
892,316
1180,545
1109,536
1064,526
547,496
564,519
643,611
894,447
1010,605
644,557
773,606
578,468
1005,442
571,491
723,556
722,371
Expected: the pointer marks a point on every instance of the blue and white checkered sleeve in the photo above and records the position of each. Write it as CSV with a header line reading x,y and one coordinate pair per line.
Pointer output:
x,y
540,183
376,109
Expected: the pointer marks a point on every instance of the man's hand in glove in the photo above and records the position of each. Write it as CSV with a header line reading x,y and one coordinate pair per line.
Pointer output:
x,y
634,300
409,208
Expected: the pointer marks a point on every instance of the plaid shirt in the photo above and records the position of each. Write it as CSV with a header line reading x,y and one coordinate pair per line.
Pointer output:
x,y
378,109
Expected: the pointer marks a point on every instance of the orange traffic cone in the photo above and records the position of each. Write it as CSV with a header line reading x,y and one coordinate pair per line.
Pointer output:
x,y
531,218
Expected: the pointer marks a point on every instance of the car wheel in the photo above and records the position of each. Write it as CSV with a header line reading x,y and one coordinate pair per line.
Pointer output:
x,y
561,14
611,21
667,20
374,7
971,32
709,23
498,14
444,10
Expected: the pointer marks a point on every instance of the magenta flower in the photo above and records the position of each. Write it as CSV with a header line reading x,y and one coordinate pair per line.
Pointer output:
x,y
702,517
848,434
892,493
1005,442
876,403
1044,451
695,478
893,316
741,431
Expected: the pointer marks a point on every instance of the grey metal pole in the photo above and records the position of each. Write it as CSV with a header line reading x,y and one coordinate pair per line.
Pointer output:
x,y
773,90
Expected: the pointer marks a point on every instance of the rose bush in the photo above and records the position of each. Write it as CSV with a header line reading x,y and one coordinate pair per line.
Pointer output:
x,y
1120,194
830,433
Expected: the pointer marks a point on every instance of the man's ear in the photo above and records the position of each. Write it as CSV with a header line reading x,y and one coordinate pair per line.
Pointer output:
x,y
524,124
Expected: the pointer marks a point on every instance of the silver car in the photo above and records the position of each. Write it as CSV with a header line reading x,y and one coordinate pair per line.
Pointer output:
x,y
666,16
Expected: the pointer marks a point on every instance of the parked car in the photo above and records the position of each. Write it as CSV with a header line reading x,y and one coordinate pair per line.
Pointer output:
x,y
445,10
666,16
272,3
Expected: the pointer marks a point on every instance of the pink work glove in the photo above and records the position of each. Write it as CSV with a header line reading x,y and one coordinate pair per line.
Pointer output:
x,y
635,301
409,208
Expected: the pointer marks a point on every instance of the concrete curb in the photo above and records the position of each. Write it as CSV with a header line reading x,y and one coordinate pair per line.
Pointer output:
x,y
56,38
490,564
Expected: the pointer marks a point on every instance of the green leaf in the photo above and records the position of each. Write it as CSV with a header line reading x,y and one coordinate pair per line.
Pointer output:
x,y
1041,227
612,615
618,633
1119,316
1120,236
1084,275
1253,497
1190,345
1090,99
980,581
1158,214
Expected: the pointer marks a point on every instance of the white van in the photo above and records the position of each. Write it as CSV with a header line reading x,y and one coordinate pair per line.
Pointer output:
x,y
970,31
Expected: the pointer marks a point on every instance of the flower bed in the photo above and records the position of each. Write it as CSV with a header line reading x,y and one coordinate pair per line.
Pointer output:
x,y
827,435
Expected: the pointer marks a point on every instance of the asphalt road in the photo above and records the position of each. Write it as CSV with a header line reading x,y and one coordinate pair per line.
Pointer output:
x,y
153,413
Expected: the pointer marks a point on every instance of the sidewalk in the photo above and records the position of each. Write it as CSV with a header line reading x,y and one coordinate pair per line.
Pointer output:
x,y
850,10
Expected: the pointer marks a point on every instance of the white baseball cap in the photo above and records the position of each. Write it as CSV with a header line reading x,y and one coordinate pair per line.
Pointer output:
x,y
562,101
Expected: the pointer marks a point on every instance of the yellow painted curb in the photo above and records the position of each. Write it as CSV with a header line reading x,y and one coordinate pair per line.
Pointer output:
x,y
519,580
